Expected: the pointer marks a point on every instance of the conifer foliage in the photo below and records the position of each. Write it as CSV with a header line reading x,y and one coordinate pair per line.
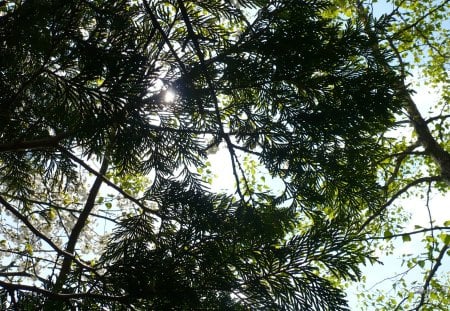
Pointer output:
x,y
84,104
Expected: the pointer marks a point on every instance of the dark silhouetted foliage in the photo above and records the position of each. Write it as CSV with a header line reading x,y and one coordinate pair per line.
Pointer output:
x,y
83,104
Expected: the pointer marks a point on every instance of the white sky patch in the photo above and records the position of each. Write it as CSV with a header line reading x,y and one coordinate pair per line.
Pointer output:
x,y
224,180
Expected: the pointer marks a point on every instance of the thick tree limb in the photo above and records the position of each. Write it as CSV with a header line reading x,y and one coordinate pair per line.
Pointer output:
x,y
79,225
432,147
45,142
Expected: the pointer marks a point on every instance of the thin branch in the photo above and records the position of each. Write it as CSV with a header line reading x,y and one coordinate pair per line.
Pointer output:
x,y
399,162
73,211
58,207
166,39
212,90
401,274
396,195
400,303
430,217
394,11
405,153
9,252
181,130
17,273
430,276
259,154
24,274
6,110
440,117
399,59
406,233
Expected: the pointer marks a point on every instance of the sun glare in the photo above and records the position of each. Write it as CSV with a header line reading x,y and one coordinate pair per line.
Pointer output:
x,y
169,96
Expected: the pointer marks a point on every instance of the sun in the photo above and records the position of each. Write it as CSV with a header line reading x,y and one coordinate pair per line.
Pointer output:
x,y
169,96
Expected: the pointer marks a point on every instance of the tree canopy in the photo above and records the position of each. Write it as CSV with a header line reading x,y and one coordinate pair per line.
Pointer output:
x,y
111,110
418,166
